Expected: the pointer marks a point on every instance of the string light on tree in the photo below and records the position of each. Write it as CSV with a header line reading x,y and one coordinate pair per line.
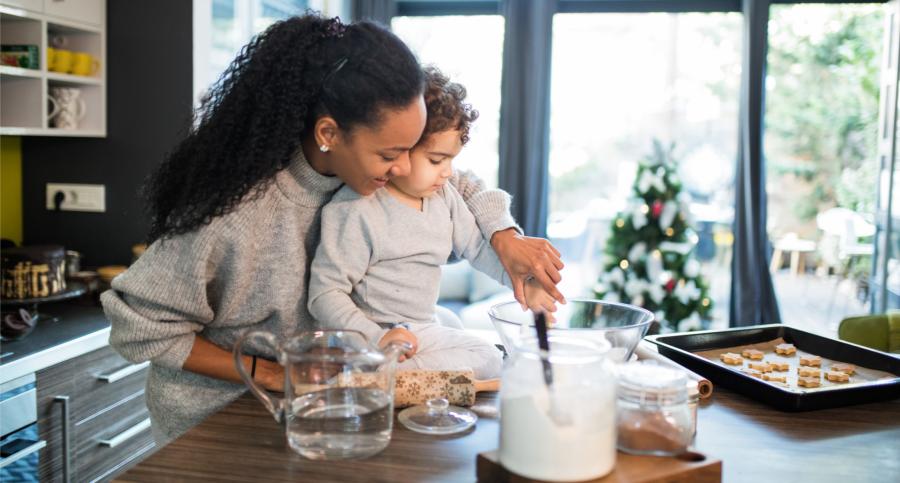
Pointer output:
x,y
650,252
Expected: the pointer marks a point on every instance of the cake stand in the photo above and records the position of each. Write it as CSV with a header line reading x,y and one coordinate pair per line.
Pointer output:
x,y
73,289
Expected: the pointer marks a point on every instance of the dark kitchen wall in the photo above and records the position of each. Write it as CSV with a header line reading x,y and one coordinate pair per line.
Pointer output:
x,y
149,93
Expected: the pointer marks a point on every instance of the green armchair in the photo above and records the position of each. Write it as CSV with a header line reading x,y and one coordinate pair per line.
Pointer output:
x,y
880,332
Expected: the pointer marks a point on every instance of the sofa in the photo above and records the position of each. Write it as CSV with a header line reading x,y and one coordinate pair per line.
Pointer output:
x,y
470,294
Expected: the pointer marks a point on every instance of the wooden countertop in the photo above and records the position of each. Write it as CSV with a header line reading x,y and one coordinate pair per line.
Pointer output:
x,y
755,443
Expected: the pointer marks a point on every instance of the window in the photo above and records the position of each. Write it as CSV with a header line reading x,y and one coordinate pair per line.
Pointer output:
x,y
469,49
619,82
222,27
822,91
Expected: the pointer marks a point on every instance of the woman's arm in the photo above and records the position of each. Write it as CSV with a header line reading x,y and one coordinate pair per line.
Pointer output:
x,y
523,257
469,244
160,305
211,360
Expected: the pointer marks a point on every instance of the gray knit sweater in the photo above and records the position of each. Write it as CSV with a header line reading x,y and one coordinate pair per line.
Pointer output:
x,y
245,270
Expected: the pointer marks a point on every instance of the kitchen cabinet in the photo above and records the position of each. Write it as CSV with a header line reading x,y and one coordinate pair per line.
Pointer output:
x,y
33,5
87,11
91,413
74,26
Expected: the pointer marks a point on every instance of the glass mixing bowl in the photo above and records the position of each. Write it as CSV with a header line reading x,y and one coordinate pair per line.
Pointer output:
x,y
622,325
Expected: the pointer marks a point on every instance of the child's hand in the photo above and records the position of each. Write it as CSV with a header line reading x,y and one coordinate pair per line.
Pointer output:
x,y
539,299
399,334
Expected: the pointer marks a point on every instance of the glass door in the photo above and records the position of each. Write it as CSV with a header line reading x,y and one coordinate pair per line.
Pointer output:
x,y
885,282
821,130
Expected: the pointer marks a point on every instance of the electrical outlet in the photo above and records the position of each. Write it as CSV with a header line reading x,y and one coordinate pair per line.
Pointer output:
x,y
77,197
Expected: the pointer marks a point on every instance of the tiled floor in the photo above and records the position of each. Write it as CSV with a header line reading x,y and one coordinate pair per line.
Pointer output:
x,y
806,301
817,304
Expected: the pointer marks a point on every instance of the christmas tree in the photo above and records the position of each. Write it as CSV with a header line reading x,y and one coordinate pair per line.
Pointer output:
x,y
649,254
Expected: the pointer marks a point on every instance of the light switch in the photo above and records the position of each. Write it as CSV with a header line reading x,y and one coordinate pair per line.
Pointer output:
x,y
77,197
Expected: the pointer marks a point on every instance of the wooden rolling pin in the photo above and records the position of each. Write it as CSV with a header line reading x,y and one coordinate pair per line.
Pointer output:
x,y
648,350
418,386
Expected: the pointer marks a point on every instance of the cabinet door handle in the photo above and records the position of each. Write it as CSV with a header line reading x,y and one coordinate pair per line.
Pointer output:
x,y
23,453
67,454
123,373
125,435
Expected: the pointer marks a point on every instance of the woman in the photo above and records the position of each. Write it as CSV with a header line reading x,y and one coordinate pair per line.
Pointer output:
x,y
307,106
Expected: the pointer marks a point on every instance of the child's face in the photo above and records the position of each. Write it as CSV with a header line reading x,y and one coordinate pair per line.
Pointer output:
x,y
430,164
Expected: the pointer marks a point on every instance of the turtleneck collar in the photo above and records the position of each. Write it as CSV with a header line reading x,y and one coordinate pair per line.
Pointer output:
x,y
300,183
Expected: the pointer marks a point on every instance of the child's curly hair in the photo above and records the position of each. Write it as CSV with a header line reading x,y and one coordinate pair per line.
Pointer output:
x,y
445,106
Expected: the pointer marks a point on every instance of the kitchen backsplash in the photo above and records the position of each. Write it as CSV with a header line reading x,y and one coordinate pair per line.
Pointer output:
x,y
11,188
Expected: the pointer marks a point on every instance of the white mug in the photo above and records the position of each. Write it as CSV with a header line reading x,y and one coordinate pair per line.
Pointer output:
x,y
68,108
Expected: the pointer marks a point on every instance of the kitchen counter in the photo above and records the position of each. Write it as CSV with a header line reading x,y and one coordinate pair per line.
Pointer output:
x,y
755,443
64,331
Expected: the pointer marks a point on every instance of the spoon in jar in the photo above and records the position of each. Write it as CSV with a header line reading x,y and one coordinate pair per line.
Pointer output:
x,y
560,417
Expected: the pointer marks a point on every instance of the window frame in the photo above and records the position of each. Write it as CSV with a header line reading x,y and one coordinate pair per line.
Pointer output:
x,y
755,32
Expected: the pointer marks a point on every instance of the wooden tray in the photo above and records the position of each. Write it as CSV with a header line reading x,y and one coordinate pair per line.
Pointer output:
x,y
692,467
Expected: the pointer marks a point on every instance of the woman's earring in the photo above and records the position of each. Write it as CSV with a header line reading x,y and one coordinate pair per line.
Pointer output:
x,y
324,148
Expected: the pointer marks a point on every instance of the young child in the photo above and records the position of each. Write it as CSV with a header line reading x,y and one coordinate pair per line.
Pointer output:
x,y
377,266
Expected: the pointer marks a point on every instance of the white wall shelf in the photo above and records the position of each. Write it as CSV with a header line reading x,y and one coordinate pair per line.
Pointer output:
x,y
20,72
66,133
73,79
74,25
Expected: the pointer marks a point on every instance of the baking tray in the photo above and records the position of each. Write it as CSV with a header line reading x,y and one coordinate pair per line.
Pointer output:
x,y
681,348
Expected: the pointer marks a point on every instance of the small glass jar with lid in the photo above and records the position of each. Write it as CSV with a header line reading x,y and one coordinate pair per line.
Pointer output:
x,y
653,414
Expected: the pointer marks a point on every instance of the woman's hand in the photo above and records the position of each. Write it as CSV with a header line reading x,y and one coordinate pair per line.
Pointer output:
x,y
399,334
269,374
524,257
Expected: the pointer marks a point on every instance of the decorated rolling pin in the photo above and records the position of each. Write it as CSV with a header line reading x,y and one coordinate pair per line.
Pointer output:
x,y
647,350
418,386
458,387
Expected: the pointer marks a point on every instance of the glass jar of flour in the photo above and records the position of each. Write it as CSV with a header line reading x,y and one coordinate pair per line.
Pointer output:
x,y
565,431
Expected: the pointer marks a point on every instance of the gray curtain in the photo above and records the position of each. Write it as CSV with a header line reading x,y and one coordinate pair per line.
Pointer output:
x,y
525,111
381,11
752,293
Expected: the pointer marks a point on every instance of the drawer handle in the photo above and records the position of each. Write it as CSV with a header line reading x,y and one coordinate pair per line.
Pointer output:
x,y
66,441
123,373
125,435
22,453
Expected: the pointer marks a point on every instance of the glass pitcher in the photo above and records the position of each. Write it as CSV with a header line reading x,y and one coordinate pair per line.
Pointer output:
x,y
338,392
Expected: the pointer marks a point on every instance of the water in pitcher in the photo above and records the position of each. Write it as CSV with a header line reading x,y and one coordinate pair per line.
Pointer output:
x,y
342,422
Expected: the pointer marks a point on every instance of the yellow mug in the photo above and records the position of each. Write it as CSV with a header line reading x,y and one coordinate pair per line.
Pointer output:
x,y
62,61
51,55
84,64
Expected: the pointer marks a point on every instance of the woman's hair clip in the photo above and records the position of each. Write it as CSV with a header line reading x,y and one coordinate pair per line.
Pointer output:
x,y
337,66
334,28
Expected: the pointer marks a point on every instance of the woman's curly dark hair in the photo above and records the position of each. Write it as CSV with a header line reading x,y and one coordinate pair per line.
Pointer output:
x,y
254,117
444,101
